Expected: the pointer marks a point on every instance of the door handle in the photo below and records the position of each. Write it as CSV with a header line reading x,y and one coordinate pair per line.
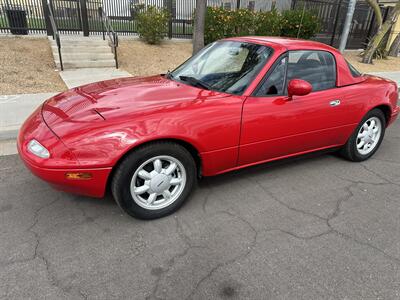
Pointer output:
x,y
334,102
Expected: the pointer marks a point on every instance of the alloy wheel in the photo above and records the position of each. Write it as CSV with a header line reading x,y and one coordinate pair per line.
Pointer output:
x,y
368,136
158,182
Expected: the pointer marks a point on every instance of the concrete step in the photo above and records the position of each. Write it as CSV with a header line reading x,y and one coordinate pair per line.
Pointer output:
x,y
79,38
80,41
81,44
93,49
83,52
83,56
76,64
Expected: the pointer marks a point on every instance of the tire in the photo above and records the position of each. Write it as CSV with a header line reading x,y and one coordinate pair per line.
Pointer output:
x,y
145,184
354,150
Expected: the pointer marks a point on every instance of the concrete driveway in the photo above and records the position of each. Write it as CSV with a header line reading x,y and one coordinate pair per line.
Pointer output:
x,y
312,228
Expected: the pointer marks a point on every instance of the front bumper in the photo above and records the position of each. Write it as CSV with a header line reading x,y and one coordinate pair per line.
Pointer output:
x,y
93,187
54,169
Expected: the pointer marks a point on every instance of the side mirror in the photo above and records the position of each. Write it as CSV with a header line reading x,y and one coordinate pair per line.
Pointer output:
x,y
298,87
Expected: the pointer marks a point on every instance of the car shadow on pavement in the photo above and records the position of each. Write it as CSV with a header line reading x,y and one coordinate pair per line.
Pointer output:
x,y
268,167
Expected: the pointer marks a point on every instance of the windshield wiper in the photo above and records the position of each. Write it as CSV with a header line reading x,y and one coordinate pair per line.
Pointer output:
x,y
169,75
195,82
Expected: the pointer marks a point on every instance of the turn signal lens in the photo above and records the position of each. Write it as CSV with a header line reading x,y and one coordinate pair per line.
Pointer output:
x,y
78,176
38,149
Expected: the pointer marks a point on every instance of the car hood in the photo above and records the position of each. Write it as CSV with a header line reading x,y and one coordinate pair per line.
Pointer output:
x,y
115,100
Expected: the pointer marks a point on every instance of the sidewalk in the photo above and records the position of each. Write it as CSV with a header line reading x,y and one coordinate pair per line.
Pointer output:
x,y
77,77
14,109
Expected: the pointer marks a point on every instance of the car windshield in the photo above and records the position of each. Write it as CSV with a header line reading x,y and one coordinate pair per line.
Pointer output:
x,y
225,66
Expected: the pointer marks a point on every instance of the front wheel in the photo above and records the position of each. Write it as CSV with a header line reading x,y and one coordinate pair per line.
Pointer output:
x,y
367,138
154,180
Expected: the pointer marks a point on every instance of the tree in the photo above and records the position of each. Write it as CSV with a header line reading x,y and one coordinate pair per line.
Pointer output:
x,y
377,39
199,24
377,11
395,47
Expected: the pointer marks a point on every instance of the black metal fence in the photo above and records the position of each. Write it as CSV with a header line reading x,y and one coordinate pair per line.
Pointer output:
x,y
332,14
72,16
21,17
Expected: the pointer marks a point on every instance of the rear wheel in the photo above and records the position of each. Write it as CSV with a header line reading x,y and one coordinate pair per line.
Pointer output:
x,y
154,180
367,138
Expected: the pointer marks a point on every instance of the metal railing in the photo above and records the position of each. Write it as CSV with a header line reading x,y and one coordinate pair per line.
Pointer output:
x,y
112,35
56,34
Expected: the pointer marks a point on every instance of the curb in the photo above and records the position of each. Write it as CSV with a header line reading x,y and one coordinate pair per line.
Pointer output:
x,y
8,147
6,135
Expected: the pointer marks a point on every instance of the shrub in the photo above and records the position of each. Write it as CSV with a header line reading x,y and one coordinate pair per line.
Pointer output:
x,y
221,23
152,24
218,24
242,22
268,23
299,23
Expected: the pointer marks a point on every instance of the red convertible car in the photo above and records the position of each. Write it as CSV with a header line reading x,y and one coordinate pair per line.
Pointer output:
x,y
237,103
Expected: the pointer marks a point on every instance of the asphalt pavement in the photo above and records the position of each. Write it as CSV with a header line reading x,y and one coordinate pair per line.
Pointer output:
x,y
318,227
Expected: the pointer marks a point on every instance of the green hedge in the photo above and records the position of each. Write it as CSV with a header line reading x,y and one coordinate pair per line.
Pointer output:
x,y
299,22
221,23
152,24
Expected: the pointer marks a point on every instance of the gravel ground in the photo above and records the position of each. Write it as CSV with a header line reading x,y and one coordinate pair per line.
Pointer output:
x,y
27,66
141,59
379,65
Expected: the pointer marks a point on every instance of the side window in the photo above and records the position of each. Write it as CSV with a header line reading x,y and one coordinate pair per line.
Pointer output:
x,y
316,67
275,82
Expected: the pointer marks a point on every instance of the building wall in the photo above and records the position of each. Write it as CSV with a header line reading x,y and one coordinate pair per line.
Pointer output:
x,y
259,4
184,8
396,28
395,31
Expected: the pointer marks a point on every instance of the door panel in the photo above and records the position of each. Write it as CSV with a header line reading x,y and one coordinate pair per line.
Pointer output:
x,y
274,126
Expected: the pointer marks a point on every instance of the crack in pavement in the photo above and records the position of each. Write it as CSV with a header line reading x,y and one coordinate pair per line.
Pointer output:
x,y
276,199
336,212
332,230
362,181
378,175
386,160
171,262
37,254
230,261
333,215
37,240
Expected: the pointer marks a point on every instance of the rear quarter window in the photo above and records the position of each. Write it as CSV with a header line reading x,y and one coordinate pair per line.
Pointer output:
x,y
353,70
314,66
